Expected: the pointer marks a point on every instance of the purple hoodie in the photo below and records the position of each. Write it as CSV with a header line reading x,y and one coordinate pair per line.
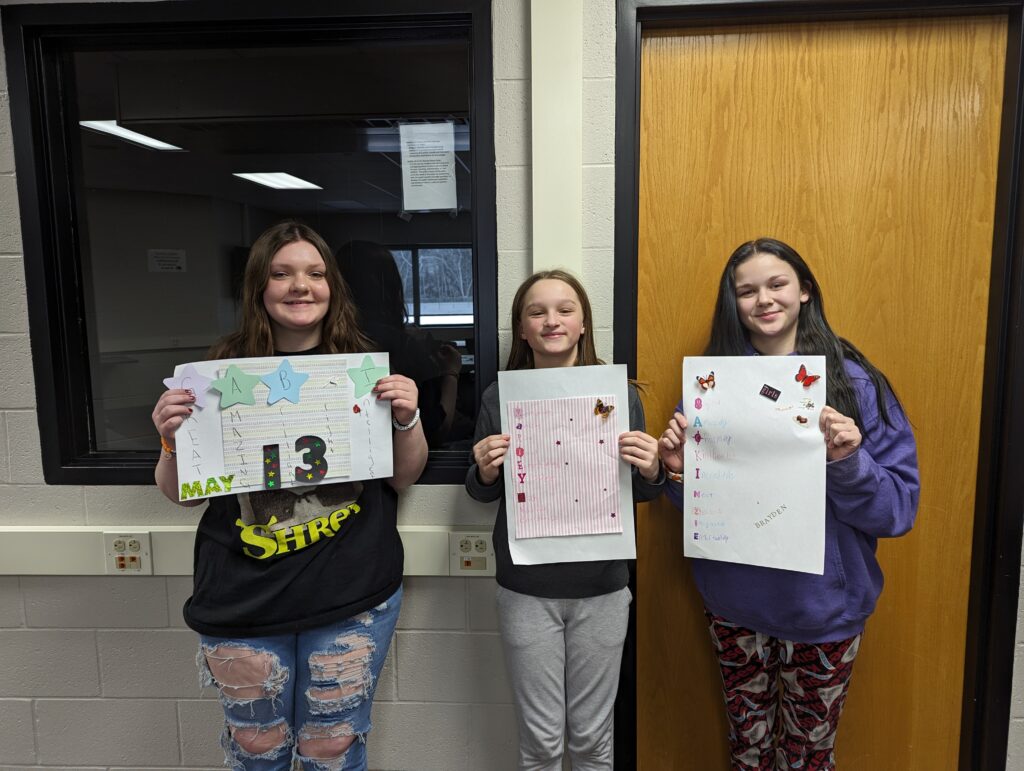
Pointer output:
x,y
871,494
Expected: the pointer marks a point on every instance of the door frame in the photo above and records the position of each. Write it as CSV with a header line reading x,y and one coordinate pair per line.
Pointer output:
x,y
999,495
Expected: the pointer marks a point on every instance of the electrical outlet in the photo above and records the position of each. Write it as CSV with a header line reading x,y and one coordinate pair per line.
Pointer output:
x,y
471,554
127,554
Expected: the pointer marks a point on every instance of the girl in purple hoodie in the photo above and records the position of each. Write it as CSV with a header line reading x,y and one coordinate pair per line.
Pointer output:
x,y
786,641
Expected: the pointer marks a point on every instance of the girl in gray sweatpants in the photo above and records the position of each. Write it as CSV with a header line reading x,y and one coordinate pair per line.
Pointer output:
x,y
563,624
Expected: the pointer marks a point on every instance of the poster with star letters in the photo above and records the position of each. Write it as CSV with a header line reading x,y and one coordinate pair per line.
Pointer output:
x,y
568,495
282,422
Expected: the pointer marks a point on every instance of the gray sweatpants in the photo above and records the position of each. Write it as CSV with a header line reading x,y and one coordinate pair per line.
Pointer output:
x,y
563,659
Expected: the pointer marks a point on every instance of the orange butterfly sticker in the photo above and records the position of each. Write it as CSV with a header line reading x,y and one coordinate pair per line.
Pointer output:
x,y
602,409
707,382
807,380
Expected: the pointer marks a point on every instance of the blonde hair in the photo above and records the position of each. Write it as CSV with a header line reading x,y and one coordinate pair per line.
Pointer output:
x,y
340,331
521,355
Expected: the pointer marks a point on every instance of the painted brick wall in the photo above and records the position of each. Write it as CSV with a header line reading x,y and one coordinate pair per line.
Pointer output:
x,y
1015,745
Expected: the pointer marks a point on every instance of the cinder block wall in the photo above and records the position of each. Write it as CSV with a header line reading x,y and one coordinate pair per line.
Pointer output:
x,y
99,672
1015,748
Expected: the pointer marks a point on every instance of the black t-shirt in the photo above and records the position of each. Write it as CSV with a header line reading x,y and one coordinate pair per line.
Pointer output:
x,y
294,559
282,561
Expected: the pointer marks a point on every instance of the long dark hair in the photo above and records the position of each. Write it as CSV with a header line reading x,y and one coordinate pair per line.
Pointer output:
x,y
370,271
339,331
520,356
814,336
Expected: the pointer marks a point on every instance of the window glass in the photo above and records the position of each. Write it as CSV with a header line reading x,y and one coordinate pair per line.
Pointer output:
x,y
163,230
403,258
446,286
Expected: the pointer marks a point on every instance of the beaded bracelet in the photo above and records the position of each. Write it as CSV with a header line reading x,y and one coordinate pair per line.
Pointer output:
x,y
406,426
166,447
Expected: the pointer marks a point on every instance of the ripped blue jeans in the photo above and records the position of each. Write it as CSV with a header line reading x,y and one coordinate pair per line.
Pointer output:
x,y
301,699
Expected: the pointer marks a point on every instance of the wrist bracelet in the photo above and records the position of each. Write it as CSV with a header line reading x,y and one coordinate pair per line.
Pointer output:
x,y
406,426
674,476
166,447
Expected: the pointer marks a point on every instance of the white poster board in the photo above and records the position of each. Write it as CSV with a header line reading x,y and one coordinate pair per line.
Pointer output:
x,y
428,166
568,472
754,470
281,422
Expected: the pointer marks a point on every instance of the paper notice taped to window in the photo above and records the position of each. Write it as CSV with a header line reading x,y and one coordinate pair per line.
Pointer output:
x,y
428,166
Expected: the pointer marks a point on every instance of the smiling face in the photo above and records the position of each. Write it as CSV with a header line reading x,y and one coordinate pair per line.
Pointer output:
x,y
296,296
768,299
551,323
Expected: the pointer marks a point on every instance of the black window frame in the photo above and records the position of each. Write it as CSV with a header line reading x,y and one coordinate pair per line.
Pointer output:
x,y
34,36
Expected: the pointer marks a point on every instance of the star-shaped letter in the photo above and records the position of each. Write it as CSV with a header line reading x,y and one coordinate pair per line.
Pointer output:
x,y
366,376
284,383
192,381
235,387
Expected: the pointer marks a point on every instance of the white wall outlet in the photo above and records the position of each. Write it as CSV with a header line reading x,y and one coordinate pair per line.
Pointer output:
x,y
127,553
471,553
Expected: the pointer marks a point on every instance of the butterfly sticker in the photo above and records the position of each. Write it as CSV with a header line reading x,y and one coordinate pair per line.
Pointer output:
x,y
707,382
602,409
807,380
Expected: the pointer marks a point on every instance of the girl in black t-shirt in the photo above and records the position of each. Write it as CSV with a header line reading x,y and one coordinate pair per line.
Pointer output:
x,y
295,628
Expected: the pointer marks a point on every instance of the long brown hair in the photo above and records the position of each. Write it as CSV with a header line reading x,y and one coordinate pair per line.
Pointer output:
x,y
340,331
521,354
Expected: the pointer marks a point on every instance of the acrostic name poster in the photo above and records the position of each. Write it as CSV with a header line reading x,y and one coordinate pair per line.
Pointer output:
x,y
568,494
281,422
754,469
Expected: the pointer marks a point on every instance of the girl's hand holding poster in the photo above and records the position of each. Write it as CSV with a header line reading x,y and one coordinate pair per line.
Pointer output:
x,y
279,422
754,489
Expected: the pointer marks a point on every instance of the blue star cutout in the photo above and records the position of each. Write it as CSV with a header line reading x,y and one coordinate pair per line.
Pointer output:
x,y
284,383
366,375
235,387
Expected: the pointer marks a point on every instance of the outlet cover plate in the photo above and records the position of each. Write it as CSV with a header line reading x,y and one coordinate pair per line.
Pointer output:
x,y
127,553
471,553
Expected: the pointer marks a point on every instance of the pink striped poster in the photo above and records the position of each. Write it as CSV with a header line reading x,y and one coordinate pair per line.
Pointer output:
x,y
565,467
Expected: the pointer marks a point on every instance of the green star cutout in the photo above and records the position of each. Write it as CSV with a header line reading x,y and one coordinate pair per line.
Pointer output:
x,y
235,387
366,375
270,483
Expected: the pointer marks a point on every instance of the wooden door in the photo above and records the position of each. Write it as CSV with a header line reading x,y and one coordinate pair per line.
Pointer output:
x,y
871,147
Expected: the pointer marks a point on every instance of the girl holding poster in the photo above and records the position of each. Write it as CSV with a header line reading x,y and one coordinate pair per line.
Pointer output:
x,y
296,590
562,625
786,641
